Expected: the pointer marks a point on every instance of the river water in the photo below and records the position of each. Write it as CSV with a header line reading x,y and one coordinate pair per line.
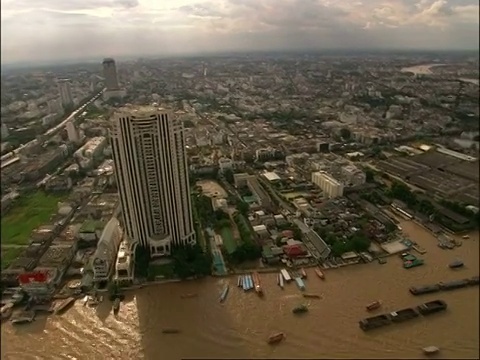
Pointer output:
x,y
239,328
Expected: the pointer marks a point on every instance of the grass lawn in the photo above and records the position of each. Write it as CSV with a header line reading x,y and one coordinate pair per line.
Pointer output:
x,y
28,213
9,255
228,240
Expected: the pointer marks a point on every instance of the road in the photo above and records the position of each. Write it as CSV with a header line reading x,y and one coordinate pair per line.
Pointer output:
x,y
53,130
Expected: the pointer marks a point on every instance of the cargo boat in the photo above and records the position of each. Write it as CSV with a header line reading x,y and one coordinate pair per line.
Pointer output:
x,y
280,281
374,305
303,273
452,285
311,296
375,322
170,331
64,305
224,293
25,317
474,280
432,307
408,264
403,315
319,273
300,283
286,275
429,350
256,283
424,289
300,309
276,338
456,264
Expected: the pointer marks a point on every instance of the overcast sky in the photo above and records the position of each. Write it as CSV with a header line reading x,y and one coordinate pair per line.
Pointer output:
x,y
47,30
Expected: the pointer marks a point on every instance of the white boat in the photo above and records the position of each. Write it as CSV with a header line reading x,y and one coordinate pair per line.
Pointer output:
x,y
285,275
430,350
280,281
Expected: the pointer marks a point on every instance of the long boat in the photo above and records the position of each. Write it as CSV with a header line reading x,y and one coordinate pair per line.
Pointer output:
x,y
280,280
240,281
224,294
303,273
256,282
244,283
300,283
319,273
285,275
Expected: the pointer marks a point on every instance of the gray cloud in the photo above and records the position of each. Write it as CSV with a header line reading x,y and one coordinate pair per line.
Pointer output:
x,y
96,28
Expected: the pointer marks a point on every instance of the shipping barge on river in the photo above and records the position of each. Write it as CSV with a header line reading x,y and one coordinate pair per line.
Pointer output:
x,y
444,286
403,315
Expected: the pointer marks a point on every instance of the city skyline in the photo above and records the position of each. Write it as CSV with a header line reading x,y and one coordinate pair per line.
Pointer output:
x,y
148,149
127,27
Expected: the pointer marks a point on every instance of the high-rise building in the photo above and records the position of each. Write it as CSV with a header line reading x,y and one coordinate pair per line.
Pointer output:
x,y
65,92
148,147
72,132
110,74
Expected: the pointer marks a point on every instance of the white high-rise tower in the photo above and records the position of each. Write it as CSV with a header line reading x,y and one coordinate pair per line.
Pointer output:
x,y
148,147
65,92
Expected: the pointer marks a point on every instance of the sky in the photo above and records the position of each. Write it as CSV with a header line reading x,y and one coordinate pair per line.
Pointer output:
x,y
50,30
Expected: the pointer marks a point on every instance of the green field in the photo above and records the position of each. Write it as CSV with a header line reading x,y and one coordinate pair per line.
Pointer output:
x,y
9,255
228,240
29,212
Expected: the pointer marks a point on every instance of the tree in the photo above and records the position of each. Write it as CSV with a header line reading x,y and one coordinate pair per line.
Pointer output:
x,y
345,133
142,259
243,207
228,174
370,176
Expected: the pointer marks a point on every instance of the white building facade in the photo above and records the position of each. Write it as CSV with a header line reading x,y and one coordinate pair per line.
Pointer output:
x,y
330,186
148,147
65,92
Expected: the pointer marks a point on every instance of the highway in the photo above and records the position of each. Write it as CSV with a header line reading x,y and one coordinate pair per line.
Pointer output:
x,y
52,130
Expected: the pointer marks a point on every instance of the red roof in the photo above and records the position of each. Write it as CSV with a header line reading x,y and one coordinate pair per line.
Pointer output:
x,y
294,250
27,278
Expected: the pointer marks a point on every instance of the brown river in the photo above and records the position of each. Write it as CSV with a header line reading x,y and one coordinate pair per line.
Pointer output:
x,y
240,327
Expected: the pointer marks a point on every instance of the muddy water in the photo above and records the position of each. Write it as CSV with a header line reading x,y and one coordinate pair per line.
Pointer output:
x,y
239,328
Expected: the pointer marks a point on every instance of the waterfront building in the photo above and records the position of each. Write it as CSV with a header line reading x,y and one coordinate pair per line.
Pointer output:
x,y
148,147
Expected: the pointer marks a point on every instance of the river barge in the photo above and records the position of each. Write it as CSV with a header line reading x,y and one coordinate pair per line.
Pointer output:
x,y
432,307
474,280
445,286
452,285
406,314
424,289
403,315
375,322
300,309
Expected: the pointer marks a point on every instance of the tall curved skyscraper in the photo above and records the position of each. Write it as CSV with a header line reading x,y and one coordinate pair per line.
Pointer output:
x,y
148,146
